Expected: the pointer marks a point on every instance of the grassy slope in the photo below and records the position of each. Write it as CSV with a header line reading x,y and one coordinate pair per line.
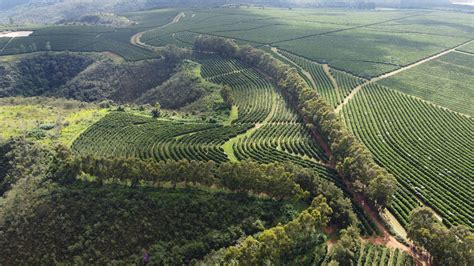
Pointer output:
x,y
22,117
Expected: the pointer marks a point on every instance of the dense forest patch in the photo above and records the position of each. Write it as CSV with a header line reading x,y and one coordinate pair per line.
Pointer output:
x,y
89,223
183,88
40,75
82,77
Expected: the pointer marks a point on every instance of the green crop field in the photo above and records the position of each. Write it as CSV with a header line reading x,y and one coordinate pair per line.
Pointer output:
x,y
83,38
370,108
427,148
333,85
469,48
446,81
370,254
79,39
265,127
366,44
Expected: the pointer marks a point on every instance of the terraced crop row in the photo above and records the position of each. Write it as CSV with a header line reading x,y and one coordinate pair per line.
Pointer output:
x,y
125,135
293,139
214,66
370,254
255,97
333,85
427,148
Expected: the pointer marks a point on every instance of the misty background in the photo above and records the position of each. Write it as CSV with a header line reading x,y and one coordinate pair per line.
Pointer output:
x,y
52,11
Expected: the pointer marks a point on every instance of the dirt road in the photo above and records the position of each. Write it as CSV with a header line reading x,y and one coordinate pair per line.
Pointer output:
x,y
135,40
389,74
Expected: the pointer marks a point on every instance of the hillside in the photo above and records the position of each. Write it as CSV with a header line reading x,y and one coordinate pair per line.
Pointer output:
x,y
238,135
52,11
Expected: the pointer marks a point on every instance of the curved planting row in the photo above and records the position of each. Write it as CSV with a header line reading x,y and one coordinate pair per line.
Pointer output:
x,y
346,82
292,138
427,148
323,82
370,254
186,38
333,86
253,95
215,66
125,135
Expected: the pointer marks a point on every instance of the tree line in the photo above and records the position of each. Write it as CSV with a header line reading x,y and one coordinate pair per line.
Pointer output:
x,y
453,246
278,245
280,181
353,160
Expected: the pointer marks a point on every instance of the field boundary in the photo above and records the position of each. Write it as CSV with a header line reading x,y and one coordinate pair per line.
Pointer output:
x,y
6,45
402,69
306,73
345,29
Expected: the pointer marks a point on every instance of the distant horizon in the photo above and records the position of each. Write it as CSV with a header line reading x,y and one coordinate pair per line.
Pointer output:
x,y
462,2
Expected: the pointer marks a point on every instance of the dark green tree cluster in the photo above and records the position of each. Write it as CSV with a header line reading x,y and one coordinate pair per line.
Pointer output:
x,y
41,75
173,54
183,88
344,250
49,216
353,160
277,245
66,75
21,159
271,180
227,96
342,212
453,246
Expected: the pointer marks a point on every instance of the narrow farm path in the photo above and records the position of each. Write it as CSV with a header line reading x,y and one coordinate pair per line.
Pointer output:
x,y
306,73
386,238
462,52
228,146
350,96
135,39
319,139
5,46
327,70
389,74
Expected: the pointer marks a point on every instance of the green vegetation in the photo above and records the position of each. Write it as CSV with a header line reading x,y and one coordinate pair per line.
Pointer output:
x,y
47,120
217,152
469,48
40,75
446,81
211,220
281,244
124,135
50,194
353,161
105,19
427,148
333,85
446,246
88,77
370,254
183,88
120,82
79,39
83,38
365,43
